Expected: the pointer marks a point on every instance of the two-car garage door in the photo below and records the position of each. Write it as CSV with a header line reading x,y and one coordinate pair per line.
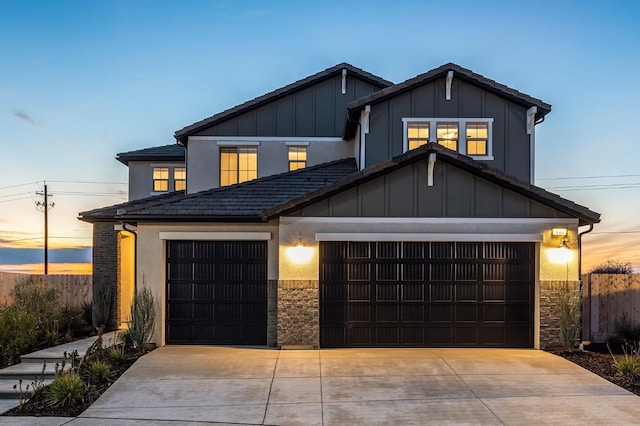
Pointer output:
x,y
372,294
426,294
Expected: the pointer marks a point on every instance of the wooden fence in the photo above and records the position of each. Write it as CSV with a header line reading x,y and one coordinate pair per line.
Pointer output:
x,y
605,300
75,290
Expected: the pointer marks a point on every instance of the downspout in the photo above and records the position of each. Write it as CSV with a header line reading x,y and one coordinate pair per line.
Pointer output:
x,y
588,325
135,256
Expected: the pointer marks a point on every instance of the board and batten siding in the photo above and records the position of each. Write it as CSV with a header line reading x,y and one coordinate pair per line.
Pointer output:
x,y
511,150
404,193
315,111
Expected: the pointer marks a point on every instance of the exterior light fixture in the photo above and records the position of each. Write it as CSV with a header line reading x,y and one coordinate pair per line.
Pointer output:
x,y
559,232
561,254
300,253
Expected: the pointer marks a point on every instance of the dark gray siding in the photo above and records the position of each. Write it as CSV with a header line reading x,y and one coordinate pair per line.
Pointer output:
x,y
315,111
510,140
404,193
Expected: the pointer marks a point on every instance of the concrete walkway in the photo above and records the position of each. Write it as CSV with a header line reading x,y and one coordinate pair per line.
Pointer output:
x,y
196,384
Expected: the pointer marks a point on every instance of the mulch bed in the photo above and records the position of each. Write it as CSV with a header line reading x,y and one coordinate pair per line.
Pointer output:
x,y
38,407
602,365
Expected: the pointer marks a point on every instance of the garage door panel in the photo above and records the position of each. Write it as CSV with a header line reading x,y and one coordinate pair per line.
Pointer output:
x,y
388,292
467,292
413,272
216,292
413,292
387,313
359,313
466,313
441,313
466,336
413,313
388,336
494,313
388,272
441,292
430,294
440,272
359,292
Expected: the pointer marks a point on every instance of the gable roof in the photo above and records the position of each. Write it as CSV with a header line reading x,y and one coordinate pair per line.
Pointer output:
x,y
173,152
182,134
458,72
241,202
477,168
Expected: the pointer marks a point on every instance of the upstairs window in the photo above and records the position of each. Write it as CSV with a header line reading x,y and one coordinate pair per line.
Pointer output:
x,y
297,157
417,134
238,164
160,179
477,138
448,135
180,178
468,136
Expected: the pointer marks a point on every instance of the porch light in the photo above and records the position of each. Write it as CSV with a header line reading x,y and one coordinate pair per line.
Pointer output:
x,y
300,253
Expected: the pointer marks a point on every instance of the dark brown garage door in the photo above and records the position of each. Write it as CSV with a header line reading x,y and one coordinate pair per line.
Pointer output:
x,y
217,292
426,294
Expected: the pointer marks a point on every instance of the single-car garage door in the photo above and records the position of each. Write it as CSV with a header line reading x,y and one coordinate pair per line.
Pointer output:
x,y
217,292
426,294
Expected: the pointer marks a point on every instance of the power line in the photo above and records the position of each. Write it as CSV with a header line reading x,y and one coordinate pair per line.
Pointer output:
x,y
15,199
588,177
16,194
89,182
20,184
615,232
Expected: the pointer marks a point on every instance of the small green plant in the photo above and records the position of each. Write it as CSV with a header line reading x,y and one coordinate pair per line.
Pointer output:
x,y
102,301
143,317
29,390
125,337
116,354
567,303
628,364
98,370
67,389
613,267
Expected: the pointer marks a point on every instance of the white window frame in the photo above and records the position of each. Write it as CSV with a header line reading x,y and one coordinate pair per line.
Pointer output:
x,y
462,132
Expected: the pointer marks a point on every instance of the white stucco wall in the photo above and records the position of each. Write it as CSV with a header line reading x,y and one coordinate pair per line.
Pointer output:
x,y
203,159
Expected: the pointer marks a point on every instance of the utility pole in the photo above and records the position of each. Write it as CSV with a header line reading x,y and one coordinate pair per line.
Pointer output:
x,y
44,207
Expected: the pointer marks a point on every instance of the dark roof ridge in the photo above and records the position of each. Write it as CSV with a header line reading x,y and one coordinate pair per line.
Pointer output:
x,y
172,151
464,73
181,134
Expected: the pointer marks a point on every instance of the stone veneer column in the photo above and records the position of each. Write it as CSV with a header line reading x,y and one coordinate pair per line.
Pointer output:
x,y
298,313
549,318
105,262
272,312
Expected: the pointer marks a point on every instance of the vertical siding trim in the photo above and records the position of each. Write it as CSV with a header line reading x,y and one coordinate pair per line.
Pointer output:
x,y
506,138
416,188
313,111
386,196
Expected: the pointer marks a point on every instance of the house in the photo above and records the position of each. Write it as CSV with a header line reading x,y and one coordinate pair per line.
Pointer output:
x,y
346,211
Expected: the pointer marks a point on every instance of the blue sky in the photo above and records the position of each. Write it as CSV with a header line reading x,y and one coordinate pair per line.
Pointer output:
x,y
83,80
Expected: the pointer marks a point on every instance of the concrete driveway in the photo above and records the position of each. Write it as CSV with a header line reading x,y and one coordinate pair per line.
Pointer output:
x,y
360,386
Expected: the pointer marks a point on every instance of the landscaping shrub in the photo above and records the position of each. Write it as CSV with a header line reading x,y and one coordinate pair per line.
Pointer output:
x,y
613,267
627,331
143,317
67,389
102,302
567,303
19,333
98,370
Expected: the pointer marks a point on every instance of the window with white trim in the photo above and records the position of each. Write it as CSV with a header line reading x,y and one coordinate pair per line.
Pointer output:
x,y
297,157
179,179
238,164
468,136
160,179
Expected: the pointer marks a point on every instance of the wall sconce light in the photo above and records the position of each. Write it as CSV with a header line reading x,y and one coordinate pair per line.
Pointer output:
x,y
563,253
300,253
559,232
